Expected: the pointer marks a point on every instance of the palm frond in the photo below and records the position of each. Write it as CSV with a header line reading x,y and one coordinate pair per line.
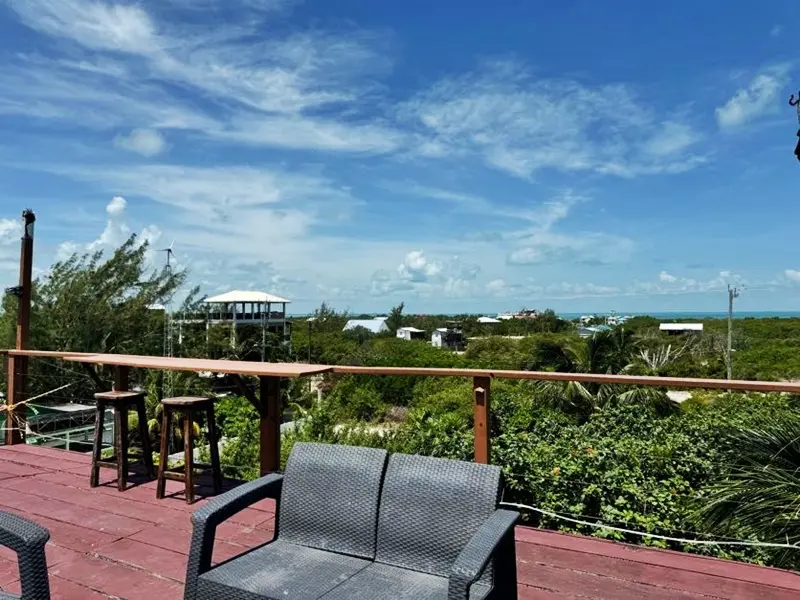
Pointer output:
x,y
759,495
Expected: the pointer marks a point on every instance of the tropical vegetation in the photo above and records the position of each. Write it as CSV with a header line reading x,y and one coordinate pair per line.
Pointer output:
x,y
715,465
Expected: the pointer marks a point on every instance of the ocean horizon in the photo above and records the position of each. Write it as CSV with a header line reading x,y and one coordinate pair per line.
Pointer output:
x,y
664,315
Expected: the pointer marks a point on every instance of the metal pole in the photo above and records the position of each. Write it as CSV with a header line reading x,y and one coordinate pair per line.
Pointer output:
x,y
18,365
309,340
732,293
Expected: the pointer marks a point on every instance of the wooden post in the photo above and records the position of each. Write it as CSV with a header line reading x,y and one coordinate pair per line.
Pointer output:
x,y
121,378
18,365
481,392
270,424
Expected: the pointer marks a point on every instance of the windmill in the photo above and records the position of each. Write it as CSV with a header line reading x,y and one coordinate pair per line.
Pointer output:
x,y
168,322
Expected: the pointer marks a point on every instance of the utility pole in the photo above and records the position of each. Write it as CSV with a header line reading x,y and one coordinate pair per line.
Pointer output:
x,y
168,324
18,365
733,293
309,339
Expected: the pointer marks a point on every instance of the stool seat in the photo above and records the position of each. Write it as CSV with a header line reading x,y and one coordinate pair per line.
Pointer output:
x,y
117,396
188,401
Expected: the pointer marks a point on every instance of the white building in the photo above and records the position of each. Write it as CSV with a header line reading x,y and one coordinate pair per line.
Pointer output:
x,y
239,307
488,320
451,339
676,328
374,325
411,333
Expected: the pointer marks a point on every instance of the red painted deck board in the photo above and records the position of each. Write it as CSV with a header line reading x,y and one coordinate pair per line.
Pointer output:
x,y
110,544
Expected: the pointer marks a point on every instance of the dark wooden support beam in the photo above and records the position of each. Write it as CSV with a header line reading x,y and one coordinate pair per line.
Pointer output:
x,y
481,387
12,433
121,378
18,366
270,425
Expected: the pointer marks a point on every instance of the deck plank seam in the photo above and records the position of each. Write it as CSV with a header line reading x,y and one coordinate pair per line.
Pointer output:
x,y
622,580
643,561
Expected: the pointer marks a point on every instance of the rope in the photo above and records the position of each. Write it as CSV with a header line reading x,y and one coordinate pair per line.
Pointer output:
x,y
554,515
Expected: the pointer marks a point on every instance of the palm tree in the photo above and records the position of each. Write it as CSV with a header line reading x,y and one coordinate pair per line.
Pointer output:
x,y
600,353
759,493
610,352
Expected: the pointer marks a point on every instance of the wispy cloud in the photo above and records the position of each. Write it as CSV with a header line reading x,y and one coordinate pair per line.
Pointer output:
x,y
266,89
146,142
758,98
520,124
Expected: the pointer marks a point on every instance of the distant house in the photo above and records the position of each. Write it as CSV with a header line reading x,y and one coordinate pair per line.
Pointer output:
x,y
589,331
488,320
411,333
449,338
373,325
678,328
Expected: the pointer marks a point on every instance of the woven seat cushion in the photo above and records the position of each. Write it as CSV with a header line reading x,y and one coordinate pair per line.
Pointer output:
x,y
279,571
384,582
430,508
329,499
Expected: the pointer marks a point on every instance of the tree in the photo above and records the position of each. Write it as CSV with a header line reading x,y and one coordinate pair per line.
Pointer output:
x,y
88,304
395,320
608,352
759,494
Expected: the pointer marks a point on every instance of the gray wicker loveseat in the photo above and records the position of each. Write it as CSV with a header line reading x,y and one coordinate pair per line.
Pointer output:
x,y
28,540
355,523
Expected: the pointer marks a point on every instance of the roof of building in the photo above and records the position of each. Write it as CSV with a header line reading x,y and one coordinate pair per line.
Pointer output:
x,y
374,325
681,327
244,296
488,320
412,329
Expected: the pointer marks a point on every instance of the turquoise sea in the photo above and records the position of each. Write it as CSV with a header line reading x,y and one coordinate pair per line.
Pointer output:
x,y
765,314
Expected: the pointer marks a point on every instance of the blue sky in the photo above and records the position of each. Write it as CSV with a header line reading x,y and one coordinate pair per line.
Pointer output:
x,y
454,155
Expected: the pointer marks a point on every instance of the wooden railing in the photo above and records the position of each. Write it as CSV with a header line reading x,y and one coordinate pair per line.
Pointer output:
x,y
481,386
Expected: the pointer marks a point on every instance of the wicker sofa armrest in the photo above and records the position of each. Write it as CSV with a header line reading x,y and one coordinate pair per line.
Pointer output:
x,y
489,541
28,540
206,519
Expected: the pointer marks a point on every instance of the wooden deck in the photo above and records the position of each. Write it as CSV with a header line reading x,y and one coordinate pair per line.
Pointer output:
x,y
107,544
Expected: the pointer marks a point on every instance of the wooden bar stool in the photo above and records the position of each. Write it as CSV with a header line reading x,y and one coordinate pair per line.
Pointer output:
x,y
122,402
190,407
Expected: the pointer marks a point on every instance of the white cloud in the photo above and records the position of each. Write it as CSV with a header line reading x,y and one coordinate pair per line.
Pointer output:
x,y
540,244
10,231
94,24
497,287
792,274
116,206
666,277
147,142
776,31
520,124
672,138
759,97
265,85
415,267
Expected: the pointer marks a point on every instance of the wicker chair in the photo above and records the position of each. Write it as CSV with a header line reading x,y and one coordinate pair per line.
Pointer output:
x,y
351,524
27,539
